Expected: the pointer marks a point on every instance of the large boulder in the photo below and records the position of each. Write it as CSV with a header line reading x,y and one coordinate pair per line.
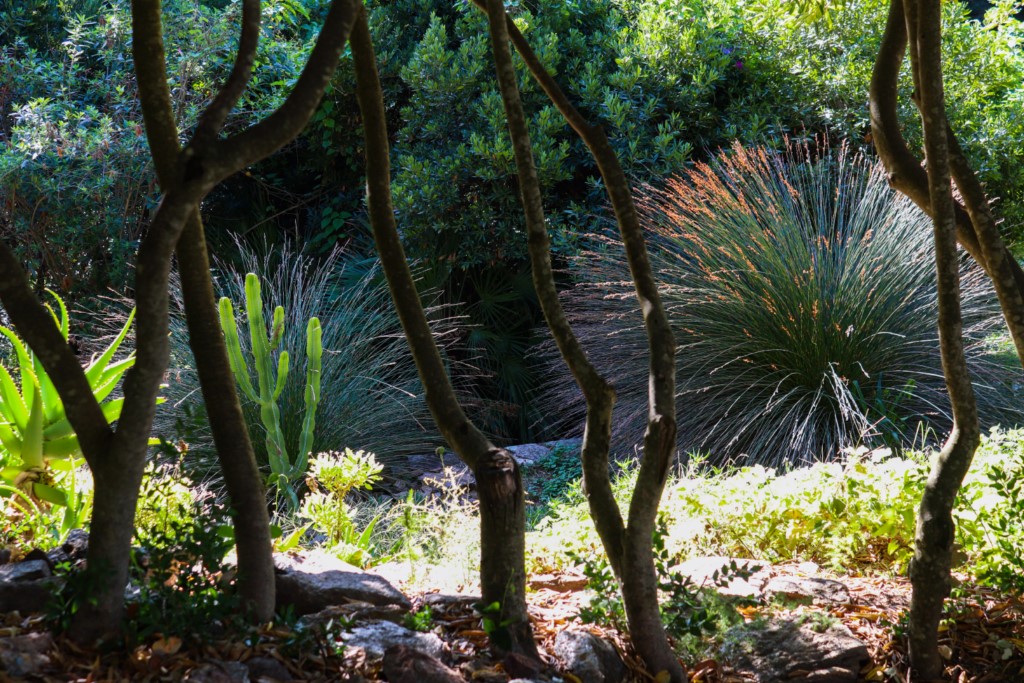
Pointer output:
x,y
26,587
795,651
588,657
313,580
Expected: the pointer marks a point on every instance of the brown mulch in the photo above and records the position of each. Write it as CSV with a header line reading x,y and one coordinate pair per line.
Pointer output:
x,y
982,641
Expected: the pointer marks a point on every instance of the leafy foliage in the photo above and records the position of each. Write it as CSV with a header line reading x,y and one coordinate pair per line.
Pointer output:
x,y
686,609
332,477
801,293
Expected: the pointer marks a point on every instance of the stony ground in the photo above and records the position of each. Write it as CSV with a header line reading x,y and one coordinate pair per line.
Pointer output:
x,y
982,643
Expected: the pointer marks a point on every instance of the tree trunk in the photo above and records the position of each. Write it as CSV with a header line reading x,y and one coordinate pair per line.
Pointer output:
x,y
930,567
629,548
256,583
499,484
975,229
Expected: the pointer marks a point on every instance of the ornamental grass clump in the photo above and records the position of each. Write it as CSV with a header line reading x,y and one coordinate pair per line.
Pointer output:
x,y
801,291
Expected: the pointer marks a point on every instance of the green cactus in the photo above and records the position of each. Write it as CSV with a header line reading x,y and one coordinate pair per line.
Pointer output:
x,y
284,470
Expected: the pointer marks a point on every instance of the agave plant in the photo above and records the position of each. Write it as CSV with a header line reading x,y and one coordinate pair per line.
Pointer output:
x,y
39,450
801,292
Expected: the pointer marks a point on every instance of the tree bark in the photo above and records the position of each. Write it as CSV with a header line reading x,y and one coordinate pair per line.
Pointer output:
x,y
227,422
117,458
930,567
629,547
975,229
499,483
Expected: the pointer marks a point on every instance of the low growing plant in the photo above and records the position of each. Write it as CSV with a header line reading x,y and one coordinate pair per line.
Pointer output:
x,y
332,477
40,457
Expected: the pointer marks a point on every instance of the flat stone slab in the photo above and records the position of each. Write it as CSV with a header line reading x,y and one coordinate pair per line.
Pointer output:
x,y
793,650
313,580
812,588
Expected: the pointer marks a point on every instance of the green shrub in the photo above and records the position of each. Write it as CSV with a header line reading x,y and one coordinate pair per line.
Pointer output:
x,y
332,476
801,293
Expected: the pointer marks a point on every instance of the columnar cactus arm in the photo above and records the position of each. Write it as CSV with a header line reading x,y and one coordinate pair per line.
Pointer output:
x,y
235,358
314,363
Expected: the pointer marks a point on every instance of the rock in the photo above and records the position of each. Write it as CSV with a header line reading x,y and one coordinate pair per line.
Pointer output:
x,y
404,664
520,666
25,655
267,670
588,657
817,589
5,555
29,570
27,597
794,650
701,571
72,551
26,587
530,453
378,636
219,672
313,580
354,611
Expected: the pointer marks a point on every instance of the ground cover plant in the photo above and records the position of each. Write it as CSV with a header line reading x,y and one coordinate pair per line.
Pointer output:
x,y
801,290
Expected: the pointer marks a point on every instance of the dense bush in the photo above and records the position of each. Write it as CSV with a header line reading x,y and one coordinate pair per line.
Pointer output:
x,y
802,296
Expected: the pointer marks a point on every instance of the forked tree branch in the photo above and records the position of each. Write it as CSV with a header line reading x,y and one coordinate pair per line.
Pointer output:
x,y
267,136
905,171
212,120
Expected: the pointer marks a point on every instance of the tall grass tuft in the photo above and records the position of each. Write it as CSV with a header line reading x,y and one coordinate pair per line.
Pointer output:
x,y
801,292
371,395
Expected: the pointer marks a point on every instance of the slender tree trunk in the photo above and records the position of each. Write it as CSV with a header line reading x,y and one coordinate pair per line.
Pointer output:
x,y
256,583
930,567
499,483
629,548
975,228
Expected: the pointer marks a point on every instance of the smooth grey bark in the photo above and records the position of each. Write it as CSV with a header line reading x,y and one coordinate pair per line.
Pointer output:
x,y
499,482
227,422
629,546
116,457
917,24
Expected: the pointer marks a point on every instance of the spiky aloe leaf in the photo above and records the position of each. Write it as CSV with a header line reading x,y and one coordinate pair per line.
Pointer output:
x,y
49,494
10,441
32,434
12,405
95,371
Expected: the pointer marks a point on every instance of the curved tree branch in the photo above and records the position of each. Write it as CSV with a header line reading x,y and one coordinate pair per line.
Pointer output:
x,y
634,565
267,136
930,567
36,326
905,171
212,120
227,422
